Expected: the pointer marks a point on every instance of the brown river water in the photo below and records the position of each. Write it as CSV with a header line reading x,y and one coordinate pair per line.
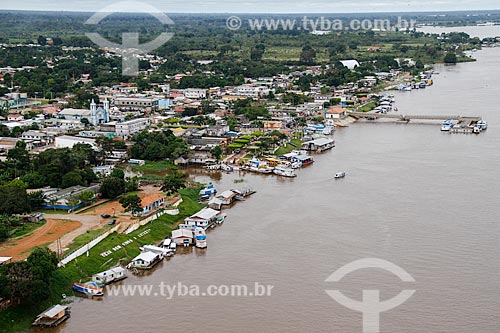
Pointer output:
x,y
425,200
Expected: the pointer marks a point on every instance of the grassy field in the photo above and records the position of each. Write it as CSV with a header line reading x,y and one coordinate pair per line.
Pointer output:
x,y
367,107
26,229
158,166
296,144
19,318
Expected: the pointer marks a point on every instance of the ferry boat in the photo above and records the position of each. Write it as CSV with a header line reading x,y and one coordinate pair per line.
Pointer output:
x,y
89,288
447,125
339,175
282,170
201,238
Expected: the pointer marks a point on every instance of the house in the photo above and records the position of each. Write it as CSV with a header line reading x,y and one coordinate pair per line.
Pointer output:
x,y
38,137
151,202
182,237
111,275
53,316
223,199
145,260
202,219
15,117
319,145
336,113
273,124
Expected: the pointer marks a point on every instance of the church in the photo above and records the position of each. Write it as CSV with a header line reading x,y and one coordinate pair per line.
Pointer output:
x,y
95,116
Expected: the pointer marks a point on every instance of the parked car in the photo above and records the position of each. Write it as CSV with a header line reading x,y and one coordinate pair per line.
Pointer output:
x,y
105,216
112,222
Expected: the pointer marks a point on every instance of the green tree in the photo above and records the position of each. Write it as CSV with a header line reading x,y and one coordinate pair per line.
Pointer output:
x,y
174,182
86,196
72,178
112,188
450,58
216,152
13,200
118,173
131,203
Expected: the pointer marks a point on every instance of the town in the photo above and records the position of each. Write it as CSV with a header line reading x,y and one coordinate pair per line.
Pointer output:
x,y
94,167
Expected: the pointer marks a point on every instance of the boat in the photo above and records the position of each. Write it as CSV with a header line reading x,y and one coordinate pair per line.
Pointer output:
x,y
201,238
209,190
53,316
282,170
88,288
340,175
260,166
111,275
482,125
447,125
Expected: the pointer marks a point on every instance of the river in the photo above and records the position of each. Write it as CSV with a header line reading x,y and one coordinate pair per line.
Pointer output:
x,y
425,200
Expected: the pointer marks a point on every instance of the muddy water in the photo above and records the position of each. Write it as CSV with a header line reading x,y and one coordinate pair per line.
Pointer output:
x,y
425,200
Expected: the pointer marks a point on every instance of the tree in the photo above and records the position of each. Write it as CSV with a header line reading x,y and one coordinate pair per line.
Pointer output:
x,y
112,187
118,173
131,203
36,199
86,196
72,178
450,58
13,200
216,152
307,55
174,182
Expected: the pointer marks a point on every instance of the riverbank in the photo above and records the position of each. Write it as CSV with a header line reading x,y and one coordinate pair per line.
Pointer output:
x,y
20,318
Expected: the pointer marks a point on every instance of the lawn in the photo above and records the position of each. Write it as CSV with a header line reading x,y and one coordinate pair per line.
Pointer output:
x,y
367,107
158,166
295,144
26,229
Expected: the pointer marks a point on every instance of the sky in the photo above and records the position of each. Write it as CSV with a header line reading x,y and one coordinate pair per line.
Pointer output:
x,y
262,6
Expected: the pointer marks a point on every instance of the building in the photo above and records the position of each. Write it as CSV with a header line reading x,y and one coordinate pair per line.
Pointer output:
x,y
5,260
193,93
351,64
223,199
336,113
95,116
53,316
37,138
203,218
151,202
142,104
130,127
182,237
217,130
319,145
63,199
67,141
145,260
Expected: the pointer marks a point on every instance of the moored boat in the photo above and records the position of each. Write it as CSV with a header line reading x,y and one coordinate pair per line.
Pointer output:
x,y
89,288
201,238
447,125
282,170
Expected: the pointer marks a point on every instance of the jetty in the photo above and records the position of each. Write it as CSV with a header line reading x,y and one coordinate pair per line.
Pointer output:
x,y
467,120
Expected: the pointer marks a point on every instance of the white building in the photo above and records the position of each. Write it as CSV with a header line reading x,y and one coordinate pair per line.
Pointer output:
x,y
351,64
130,127
67,141
251,90
193,93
